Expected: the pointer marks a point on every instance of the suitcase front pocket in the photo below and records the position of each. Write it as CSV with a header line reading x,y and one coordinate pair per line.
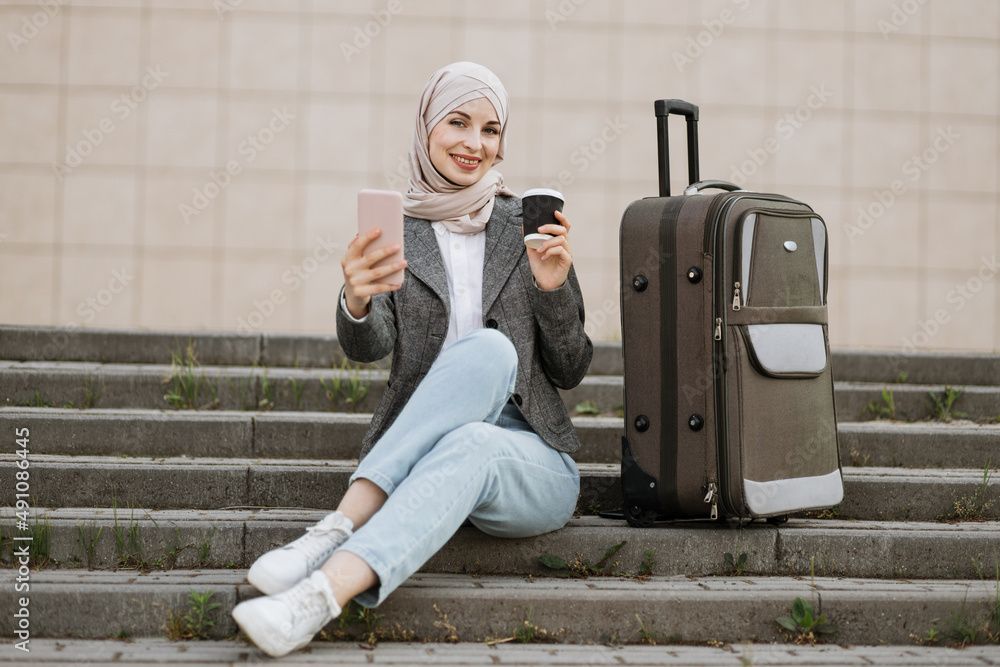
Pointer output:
x,y
784,442
780,259
786,350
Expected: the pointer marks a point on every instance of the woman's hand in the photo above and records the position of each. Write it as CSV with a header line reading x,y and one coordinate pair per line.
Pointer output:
x,y
359,274
551,261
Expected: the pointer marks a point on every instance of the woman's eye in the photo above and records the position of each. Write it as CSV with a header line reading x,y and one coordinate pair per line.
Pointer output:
x,y
492,130
457,123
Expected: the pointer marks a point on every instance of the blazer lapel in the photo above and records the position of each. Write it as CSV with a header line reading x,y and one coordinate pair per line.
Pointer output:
x,y
424,258
504,247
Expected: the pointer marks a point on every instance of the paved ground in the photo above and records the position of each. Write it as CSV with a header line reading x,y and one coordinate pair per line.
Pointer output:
x,y
163,652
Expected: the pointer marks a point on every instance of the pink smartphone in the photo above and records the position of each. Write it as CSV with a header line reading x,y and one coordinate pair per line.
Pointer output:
x,y
383,209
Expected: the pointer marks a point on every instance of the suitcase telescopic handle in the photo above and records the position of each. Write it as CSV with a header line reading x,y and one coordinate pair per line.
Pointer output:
x,y
664,109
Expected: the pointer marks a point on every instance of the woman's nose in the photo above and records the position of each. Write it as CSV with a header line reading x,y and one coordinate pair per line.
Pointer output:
x,y
472,141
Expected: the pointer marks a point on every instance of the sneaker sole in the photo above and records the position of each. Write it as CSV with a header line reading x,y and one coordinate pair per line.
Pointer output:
x,y
260,634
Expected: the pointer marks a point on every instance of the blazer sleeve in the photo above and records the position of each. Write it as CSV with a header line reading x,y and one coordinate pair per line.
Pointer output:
x,y
374,337
566,349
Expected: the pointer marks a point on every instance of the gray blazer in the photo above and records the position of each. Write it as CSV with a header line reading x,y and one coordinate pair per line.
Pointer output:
x,y
546,327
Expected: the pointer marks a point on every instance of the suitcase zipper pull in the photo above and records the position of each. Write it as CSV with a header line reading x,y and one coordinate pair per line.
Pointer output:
x,y
736,298
718,332
710,498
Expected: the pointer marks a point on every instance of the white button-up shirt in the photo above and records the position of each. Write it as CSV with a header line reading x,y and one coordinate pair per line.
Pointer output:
x,y
463,255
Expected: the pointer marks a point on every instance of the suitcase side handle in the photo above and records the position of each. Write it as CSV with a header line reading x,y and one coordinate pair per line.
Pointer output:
x,y
664,109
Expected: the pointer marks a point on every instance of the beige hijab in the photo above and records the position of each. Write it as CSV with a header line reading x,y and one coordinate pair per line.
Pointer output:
x,y
462,209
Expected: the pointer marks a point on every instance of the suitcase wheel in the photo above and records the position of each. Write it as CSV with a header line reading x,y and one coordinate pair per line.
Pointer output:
x,y
638,517
777,520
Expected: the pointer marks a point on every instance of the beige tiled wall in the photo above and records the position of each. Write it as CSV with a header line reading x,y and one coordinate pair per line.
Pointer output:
x,y
108,245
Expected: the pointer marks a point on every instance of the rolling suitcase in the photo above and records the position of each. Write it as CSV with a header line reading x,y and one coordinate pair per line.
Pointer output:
x,y
729,405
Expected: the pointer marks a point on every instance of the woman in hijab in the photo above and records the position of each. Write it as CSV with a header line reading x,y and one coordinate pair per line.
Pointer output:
x,y
471,427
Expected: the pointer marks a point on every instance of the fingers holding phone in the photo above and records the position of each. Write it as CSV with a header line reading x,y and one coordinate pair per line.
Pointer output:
x,y
374,260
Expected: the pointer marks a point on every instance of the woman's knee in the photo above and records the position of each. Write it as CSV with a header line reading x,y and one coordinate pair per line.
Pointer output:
x,y
494,346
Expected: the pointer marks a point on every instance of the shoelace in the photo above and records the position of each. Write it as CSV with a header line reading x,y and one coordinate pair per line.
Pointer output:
x,y
306,601
316,549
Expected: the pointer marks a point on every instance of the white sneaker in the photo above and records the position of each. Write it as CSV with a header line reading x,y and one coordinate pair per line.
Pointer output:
x,y
280,569
280,624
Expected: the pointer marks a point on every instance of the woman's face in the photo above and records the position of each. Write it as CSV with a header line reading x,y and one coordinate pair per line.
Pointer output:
x,y
464,143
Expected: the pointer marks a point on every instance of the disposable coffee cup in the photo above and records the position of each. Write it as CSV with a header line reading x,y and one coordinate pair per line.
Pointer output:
x,y
538,208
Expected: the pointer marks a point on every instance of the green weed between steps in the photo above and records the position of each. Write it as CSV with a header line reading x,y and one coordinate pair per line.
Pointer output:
x,y
347,385
735,564
969,624
188,387
298,388
859,460
590,409
205,546
582,567
884,410
977,505
803,624
90,396
196,623
36,401
39,548
128,541
647,565
266,391
129,544
87,539
526,633
646,635
364,623
942,408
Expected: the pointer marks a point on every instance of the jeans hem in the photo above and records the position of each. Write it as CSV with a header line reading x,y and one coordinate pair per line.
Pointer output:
x,y
369,598
376,478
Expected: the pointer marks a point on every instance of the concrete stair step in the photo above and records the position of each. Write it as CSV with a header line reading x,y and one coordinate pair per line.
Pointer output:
x,y
90,384
329,435
114,346
213,483
316,351
86,384
436,607
151,650
112,538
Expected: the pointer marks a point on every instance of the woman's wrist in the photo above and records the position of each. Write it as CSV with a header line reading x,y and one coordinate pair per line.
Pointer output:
x,y
357,312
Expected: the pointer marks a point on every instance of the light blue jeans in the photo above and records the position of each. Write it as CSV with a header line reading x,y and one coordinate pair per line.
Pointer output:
x,y
459,450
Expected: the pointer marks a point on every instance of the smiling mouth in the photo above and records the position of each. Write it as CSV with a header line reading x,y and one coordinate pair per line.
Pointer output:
x,y
468,164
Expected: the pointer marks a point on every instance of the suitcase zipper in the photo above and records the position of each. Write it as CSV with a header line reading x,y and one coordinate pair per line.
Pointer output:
x,y
710,497
718,328
736,297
